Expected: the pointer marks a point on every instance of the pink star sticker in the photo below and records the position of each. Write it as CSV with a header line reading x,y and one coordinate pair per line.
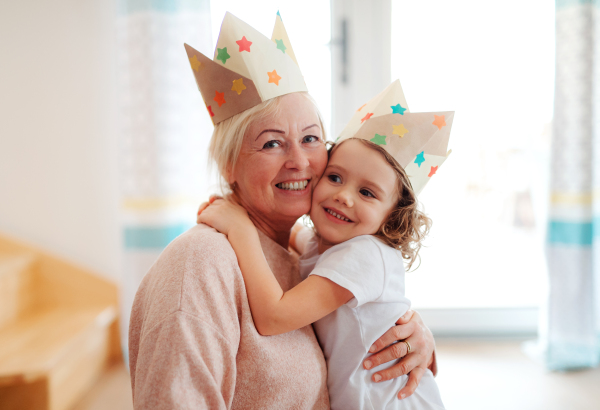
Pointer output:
x,y
432,172
244,44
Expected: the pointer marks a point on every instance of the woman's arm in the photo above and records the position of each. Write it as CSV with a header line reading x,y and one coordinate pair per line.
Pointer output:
x,y
273,311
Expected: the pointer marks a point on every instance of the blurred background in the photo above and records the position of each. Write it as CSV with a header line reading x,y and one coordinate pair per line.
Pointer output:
x,y
103,161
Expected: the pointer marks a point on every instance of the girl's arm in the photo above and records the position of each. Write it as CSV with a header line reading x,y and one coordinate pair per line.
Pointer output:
x,y
273,310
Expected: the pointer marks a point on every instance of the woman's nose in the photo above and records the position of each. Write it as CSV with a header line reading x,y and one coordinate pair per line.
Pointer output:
x,y
297,158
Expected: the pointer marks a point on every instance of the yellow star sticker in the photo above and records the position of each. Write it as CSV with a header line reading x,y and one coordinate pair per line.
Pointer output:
x,y
195,63
400,130
238,86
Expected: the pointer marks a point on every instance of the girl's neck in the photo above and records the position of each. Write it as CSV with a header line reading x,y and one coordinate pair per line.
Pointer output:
x,y
323,245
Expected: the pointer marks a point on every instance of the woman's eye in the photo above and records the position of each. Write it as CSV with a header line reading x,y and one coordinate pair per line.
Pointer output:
x,y
272,144
334,178
310,138
366,192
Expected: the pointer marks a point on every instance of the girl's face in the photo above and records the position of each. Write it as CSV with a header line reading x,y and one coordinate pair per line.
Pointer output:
x,y
360,187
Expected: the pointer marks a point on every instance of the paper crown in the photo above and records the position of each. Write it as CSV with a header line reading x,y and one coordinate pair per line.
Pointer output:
x,y
418,141
247,69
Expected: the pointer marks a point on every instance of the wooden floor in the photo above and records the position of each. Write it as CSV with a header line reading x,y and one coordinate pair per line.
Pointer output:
x,y
474,375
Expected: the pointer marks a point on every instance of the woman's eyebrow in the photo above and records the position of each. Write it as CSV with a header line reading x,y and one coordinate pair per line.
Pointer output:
x,y
263,131
310,126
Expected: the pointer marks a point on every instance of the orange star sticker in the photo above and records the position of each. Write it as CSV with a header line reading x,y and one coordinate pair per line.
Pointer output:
x,y
209,108
432,172
366,117
273,77
244,44
238,86
363,106
439,121
219,98
195,63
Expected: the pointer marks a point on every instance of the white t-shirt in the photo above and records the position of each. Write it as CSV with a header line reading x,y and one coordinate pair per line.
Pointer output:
x,y
374,273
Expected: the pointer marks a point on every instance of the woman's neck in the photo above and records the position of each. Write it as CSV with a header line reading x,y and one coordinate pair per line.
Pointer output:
x,y
277,231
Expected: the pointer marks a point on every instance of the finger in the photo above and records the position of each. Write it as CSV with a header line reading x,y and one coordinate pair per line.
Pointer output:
x,y
202,207
405,318
414,378
403,367
393,352
212,198
394,334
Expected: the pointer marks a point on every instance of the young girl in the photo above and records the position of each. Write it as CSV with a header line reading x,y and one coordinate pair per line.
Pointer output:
x,y
366,221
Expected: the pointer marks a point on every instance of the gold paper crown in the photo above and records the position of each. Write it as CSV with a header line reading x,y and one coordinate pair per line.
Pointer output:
x,y
418,141
247,69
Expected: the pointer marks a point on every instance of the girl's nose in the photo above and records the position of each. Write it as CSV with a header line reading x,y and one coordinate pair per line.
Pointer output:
x,y
344,197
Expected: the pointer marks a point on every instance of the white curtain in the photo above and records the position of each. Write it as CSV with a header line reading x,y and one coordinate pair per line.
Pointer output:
x,y
164,130
572,339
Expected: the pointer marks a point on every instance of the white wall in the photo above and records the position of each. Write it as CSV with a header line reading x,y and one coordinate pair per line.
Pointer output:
x,y
58,133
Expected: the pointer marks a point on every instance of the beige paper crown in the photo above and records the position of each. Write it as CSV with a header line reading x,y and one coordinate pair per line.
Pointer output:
x,y
418,141
247,69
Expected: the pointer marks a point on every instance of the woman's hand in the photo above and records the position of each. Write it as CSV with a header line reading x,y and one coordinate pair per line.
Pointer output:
x,y
411,328
224,215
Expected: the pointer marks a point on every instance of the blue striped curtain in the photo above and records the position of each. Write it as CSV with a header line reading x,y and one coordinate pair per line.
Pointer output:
x,y
573,253
164,131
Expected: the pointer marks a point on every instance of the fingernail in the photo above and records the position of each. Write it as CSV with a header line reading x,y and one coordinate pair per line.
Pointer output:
x,y
368,364
402,395
377,377
372,349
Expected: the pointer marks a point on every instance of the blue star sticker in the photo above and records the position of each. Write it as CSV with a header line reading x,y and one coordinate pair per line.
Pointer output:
x,y
420,159
398,109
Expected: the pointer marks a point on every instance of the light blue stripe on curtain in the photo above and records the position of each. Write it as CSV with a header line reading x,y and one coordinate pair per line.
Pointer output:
x,y
560,4
164,6
573,233
155,237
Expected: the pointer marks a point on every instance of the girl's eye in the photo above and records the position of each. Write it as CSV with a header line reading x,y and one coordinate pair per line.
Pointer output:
x,y
271,144
366,192
310,138
334,178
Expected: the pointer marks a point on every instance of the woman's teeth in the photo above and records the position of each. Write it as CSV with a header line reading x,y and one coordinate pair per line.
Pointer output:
x,y
337,216
293,186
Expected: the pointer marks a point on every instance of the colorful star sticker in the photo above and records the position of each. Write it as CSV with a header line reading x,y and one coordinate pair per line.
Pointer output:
x,y
439,121
209,108
379,139
366,117
432,172
195,63
279,14
238,86
398,109
219,98
273,77
222,54
420,159
400,130
363,106
280,45
244,44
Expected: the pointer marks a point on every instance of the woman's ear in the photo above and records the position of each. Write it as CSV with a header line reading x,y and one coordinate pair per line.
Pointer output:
x,y
229,175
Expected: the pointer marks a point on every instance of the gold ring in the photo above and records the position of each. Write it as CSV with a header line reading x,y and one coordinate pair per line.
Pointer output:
x,y
408,348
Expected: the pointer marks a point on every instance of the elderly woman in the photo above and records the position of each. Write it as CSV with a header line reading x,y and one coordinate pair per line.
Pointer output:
x,y
192,341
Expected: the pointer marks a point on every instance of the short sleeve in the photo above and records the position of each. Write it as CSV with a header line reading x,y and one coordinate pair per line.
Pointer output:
x,y
356,265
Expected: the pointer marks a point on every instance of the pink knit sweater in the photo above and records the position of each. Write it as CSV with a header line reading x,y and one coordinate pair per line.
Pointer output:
x,y
192,342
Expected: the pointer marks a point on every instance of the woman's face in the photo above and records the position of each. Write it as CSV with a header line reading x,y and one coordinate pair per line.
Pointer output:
x,y
280,162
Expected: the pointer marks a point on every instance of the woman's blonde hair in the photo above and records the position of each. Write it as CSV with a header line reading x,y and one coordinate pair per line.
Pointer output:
x,y
406,226
227,138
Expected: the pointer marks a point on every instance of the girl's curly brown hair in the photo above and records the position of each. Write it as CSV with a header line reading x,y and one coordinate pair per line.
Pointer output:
x,y
406,226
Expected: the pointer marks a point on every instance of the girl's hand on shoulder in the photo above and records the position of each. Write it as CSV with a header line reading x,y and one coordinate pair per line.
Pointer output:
x,y
225,216
392,346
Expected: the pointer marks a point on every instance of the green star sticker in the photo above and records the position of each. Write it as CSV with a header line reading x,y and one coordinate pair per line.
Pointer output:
x,y
222,54
280,45
379,139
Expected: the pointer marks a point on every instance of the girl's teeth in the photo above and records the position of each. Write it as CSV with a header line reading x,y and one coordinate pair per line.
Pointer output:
x,y
338,216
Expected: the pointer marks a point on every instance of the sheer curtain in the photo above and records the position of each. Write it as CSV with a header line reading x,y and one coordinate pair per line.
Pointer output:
x,y
164,131
573,321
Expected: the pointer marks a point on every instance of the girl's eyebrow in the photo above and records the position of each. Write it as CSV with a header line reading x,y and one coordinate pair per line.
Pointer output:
x,y
281,132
